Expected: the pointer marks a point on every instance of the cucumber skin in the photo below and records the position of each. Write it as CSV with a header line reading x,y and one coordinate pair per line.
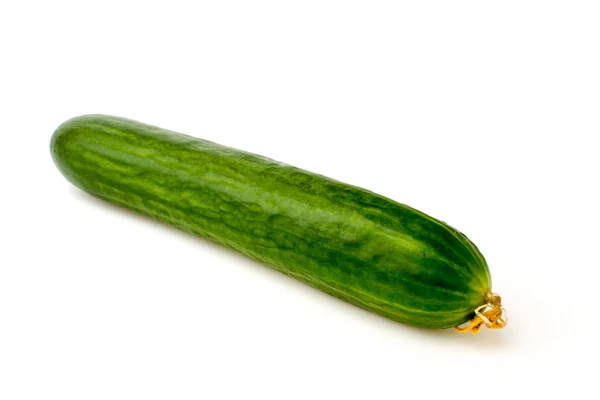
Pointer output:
x,y
346,241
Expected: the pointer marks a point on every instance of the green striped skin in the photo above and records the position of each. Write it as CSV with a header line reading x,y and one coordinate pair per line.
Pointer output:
x,y
346,241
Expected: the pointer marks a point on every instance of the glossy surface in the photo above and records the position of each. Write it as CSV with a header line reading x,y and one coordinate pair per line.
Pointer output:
x,y
349,242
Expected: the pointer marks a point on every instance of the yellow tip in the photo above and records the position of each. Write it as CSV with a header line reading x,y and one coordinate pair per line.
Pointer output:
x,y
491,315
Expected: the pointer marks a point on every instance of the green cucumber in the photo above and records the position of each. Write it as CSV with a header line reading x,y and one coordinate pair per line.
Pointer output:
x,y
355,245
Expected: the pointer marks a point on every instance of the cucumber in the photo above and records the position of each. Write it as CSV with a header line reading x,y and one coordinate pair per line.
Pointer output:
x,y
353,244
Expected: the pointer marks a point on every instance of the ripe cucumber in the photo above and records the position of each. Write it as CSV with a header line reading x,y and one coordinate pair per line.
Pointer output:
x,y
355,245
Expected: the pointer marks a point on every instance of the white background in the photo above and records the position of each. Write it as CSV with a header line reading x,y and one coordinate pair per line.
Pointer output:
x,y
483,114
